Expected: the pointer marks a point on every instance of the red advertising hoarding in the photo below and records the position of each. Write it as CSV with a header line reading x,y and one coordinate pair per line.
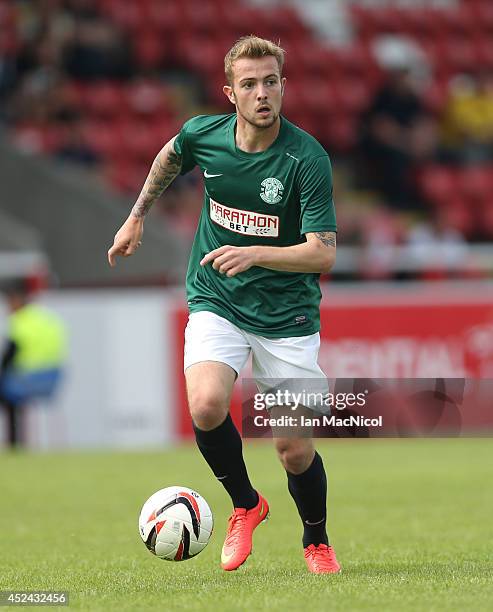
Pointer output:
x,y
389,333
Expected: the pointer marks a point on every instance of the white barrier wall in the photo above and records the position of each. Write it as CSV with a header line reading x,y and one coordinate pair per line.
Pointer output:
x,y
124,383
117,390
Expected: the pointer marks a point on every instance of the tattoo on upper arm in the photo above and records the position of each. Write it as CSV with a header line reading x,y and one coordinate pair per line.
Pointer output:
x,y
327,238
161,174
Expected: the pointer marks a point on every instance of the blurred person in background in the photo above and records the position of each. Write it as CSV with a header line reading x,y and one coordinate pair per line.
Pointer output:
x,y
397,132
436,247
33,356
73,147
467,122
8,72
96,50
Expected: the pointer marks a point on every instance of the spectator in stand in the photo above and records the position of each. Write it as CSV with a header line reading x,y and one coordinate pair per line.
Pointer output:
x,y
467,125
96,51
74,148
39,68
437,248
396,132
8,70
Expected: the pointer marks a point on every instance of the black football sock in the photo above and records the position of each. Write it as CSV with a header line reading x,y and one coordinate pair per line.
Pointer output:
x,y
222,449
309,491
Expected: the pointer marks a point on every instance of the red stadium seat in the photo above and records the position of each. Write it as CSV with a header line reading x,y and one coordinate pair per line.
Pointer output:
x,y
165,16
9,41
163,129
307,121
311,57
200,17
266,23
433,48
140,140
435,96
459,53
293,66
214,84
454,21
341,133
483,13
147,97
149,50
104,138
289,24
438,184
417,23
476,183
37,138
73,95
238,19
316,95
387,20
458,215
202,54
365,21
104,99
291,102
8,15
127,15
484,51
126,177
351,94
356,60
486,218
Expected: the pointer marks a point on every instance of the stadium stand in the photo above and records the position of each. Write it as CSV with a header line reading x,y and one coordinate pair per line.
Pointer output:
x,y
106,82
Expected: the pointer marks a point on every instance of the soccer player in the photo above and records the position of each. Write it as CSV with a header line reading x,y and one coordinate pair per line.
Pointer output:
x,y
266,232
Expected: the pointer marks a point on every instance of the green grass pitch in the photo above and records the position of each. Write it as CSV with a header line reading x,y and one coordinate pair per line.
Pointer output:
x,y
410,521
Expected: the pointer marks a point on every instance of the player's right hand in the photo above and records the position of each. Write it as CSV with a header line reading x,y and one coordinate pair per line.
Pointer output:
x,y
127,239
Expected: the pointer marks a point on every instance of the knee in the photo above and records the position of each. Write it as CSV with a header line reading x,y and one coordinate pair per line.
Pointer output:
x,y
295,458
208,409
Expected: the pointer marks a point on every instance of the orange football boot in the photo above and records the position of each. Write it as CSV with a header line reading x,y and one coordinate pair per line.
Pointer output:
x,y
238,543
321,559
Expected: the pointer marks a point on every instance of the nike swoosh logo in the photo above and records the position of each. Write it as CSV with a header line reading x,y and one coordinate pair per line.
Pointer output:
x,y
225,558
261,509
317,523
207,175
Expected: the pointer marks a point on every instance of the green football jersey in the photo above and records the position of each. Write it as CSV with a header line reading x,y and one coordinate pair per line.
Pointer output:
x,y
269,198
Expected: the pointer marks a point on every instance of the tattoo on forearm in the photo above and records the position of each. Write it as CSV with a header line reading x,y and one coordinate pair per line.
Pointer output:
x,y
327,238
162,173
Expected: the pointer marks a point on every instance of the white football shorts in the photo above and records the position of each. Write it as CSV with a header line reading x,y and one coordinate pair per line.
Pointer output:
x,y
276,362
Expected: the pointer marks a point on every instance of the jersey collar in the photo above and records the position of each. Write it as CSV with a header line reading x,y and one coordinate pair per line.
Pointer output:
x,y
239,153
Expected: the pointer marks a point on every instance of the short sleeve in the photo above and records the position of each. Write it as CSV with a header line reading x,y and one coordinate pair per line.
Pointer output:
x,y
315,193
183,147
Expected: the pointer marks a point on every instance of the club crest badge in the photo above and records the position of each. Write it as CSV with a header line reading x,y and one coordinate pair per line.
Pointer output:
x,y
271,190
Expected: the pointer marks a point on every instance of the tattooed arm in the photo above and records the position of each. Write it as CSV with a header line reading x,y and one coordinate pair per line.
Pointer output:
x,y
164,170
317,254
326,238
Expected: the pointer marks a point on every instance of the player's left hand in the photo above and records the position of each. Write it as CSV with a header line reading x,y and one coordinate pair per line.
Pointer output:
x,y
230,260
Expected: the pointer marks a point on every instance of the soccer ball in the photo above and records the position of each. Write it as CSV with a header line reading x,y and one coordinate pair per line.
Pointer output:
x,y
176,523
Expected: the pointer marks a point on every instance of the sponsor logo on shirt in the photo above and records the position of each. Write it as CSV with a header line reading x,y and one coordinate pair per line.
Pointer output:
x,y
271,190
244,221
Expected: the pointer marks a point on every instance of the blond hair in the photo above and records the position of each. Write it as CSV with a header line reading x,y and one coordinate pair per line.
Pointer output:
x,y
252,47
